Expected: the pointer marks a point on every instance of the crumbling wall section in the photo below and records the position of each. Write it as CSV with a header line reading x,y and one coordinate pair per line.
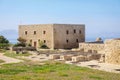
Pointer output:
x,y
112,51
91,47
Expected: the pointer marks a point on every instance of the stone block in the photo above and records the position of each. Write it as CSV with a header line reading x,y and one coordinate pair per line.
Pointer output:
x,y
78,58
54,56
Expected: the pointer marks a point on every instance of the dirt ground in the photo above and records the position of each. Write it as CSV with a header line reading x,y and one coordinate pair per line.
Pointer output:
x,y
8,59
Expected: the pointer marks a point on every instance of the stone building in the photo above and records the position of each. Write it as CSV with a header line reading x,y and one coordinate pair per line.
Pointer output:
x,y
55,36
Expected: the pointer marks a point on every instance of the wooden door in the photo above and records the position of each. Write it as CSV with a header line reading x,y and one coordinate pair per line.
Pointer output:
x,y
35,44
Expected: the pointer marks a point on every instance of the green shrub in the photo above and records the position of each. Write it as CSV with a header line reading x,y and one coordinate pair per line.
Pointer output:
x,y
95,77
20,45
3,40
62,74
29,45
1,61
4,45
43,45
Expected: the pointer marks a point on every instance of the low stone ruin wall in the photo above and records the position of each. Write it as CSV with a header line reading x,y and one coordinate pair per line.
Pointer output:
x,y
78,58
23,48
54,56
66,57
112,51
91,47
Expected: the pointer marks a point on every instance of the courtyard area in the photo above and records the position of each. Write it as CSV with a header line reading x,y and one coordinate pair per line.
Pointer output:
x,y
34,66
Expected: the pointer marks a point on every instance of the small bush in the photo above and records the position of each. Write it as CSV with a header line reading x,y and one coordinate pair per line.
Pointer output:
x,y
20,45
4,45
11,71
62,74
1,61
29,45
44,46
95,77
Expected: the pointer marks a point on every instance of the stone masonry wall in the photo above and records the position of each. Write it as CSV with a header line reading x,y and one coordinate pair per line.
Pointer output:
x,y
55,36
112,51
70,39
92,47
39,36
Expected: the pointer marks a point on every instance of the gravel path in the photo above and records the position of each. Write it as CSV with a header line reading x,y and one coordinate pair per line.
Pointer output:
x,y
8,59
100,66
42,57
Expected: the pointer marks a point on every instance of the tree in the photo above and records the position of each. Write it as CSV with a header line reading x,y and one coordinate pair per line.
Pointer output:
x,y
21,40
4,43
3,40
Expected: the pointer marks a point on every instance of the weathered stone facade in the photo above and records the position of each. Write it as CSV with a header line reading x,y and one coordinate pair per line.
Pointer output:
x,y
112,51
55,36
92,47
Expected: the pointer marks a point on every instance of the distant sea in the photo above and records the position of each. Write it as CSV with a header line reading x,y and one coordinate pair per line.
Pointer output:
x,y
13,41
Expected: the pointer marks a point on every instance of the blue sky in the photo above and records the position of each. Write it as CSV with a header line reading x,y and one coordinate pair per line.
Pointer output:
x,y
101,17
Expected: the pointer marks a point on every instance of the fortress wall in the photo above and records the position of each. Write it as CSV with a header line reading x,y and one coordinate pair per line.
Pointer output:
x,y
112,51
39,36
64,40
92,47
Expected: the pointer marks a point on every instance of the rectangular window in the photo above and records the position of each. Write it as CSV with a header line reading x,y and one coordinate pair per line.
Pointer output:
x,y
67,32
44,41
38,40
80,31
77,40
67,40
34,32
25,32
74,30
44,32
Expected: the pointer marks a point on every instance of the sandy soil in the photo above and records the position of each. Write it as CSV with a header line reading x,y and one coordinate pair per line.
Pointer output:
x,y
35,57
94,64
8,59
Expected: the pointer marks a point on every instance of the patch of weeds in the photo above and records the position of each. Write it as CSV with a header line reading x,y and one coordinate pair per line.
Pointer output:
x,y
58,63
1,61
95,77
62,74
26,77
2,50
10,71
43,69
14,55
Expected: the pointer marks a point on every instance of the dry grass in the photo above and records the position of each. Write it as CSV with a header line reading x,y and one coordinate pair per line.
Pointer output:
x,y
52,70
1,61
